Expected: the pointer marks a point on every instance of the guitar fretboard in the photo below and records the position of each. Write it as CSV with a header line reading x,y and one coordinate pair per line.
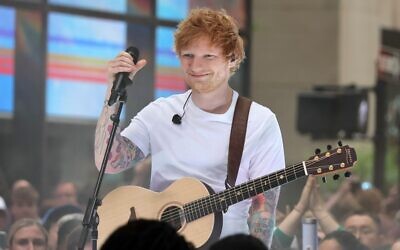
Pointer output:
x,y
221,201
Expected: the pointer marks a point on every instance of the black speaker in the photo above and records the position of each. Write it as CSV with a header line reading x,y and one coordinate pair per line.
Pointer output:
x,y
332,113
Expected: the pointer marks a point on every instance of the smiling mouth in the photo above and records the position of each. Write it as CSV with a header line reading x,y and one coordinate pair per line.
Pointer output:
x,y
198,75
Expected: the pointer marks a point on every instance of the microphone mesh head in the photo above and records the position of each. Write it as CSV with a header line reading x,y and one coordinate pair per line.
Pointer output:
x,y
134,52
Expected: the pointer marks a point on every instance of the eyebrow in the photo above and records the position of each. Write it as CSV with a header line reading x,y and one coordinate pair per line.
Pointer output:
x,y
36,241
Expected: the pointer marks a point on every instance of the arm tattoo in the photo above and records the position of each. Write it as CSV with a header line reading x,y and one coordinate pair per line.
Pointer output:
x,y
262,215
123,154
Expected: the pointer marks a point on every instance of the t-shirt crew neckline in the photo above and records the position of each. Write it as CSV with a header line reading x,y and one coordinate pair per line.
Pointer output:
x,y
201,114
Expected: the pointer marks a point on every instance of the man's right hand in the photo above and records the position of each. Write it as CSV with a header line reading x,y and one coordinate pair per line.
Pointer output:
x,y
123,62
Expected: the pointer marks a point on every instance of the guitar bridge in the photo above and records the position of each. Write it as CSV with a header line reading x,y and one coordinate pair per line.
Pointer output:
x,y
133,214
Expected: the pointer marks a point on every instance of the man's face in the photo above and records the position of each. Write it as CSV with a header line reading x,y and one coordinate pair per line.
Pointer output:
x,y
24,209
28,238
364,228
65,194
204,66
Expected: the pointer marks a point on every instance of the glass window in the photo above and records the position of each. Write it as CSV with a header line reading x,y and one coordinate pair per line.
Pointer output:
x,y
174,10
118,6
78,51
168,73
139,7
7,45
133,7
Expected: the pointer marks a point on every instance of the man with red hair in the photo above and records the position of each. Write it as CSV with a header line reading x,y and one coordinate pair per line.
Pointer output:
x,y
210,51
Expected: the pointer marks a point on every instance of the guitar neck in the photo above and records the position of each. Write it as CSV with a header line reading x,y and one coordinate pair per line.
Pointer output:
x,y
220,201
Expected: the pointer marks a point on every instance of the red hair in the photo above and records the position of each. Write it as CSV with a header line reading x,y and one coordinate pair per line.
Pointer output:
x,y
218,26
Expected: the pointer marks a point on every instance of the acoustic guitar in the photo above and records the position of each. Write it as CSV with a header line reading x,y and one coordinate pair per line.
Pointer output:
x,y
194,209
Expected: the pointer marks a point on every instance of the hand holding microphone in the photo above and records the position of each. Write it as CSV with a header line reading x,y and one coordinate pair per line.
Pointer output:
x,y
123,67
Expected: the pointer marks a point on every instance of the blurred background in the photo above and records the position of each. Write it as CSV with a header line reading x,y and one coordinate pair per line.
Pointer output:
x,y
329,69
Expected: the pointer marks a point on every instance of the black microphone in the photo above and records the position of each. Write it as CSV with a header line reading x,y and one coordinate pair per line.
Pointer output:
x,y
177,119
122,78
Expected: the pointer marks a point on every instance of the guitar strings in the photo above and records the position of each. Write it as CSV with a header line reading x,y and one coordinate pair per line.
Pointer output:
x,y
214,200
206,203
257,183
203,203
194,208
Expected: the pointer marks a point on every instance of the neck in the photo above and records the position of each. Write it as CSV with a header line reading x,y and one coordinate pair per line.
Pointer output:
x,y
217,102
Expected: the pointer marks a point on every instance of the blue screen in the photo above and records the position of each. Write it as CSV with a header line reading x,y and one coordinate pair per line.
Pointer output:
x,y
78,51
168,73
174,10
7,45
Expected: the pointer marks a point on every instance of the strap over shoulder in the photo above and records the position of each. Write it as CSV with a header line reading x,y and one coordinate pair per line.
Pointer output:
x,y
237,138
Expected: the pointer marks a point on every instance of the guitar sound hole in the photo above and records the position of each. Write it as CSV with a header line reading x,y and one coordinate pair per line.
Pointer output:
x,y
173,215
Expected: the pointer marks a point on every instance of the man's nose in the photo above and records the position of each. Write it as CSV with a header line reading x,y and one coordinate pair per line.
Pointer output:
x,y
30,246
196,63
357,234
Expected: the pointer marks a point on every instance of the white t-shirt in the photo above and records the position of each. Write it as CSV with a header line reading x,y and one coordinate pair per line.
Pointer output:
x,y
198,147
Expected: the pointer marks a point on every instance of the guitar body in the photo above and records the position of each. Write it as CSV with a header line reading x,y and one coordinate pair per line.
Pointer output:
x,y
131,202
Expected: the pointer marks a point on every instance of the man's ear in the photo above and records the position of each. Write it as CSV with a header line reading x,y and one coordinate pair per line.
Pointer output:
x,y
232,62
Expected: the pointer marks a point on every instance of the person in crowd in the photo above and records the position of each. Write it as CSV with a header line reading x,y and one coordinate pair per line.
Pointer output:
x,y
4,217
24,201
396,245
51,218
73,238
65,193
66,225
20,183
366,228
390,208
27,234
341,240
310,200
188,134
4,186
344,201
146,235
239,242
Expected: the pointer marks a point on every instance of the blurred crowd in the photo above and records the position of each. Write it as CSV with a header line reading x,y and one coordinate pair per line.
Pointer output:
x,y
356,216
353,217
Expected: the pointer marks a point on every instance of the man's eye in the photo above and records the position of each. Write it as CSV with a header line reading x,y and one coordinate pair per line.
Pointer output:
x,y
39,242
210,56
187,55
22,242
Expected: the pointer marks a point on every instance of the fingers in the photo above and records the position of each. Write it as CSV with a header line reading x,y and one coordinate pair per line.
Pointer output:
x,y
124,63
309,184
140,64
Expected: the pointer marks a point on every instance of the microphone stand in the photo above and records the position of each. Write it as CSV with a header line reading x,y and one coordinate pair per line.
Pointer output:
x,y
91,218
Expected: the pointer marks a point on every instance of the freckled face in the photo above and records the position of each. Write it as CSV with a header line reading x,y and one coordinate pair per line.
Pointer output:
x,y
205,68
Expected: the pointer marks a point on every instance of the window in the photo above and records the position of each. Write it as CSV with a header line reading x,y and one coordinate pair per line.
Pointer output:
x,y
168,77
174,10
7,44
78,51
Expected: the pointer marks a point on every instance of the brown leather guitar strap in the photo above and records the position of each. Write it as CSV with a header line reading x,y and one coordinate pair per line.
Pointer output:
x,y
237,138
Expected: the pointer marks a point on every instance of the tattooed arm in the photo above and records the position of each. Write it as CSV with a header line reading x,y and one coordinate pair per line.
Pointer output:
x,y
124,153
262,215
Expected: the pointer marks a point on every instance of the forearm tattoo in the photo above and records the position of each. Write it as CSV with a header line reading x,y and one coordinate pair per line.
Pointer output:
x,y
262,215
123,154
